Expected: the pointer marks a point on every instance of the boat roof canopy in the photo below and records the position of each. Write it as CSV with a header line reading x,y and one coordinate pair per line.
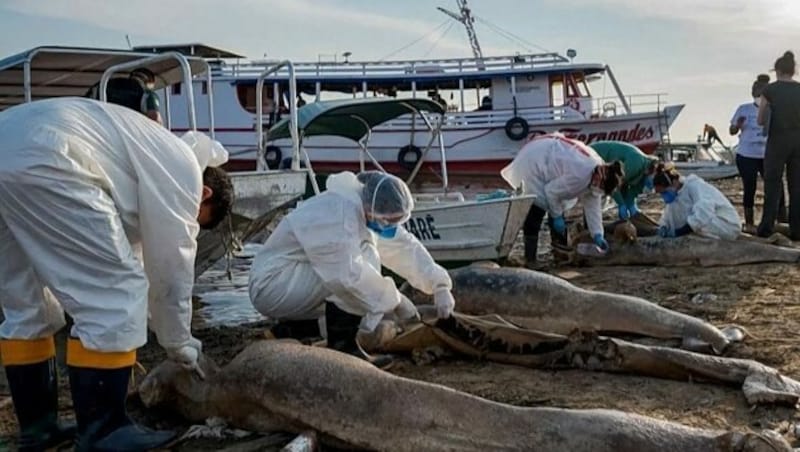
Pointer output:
x,y
349,118
195,49
71,71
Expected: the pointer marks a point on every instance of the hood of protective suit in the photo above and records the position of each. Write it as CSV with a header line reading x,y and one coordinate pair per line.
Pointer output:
x,y
207,151
347,185
704,208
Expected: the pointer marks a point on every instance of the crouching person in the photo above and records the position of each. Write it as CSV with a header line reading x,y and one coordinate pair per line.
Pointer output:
x,y
325,257
99,212
694,206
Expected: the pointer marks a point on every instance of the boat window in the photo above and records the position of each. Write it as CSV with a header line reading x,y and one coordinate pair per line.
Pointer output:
x,y
571,90
204,87
580,84
556,91
176,89
246,95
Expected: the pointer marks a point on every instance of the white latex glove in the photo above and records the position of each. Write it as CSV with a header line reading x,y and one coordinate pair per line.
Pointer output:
x,y
188,356
406,311
444,302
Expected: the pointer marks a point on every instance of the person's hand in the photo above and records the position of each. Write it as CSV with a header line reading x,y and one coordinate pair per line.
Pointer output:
x,y
406,312
624,214
444,302
665,232
560,225
600,241
187,356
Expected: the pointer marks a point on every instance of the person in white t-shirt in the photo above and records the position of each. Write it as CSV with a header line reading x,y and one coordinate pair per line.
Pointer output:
x,y
750,153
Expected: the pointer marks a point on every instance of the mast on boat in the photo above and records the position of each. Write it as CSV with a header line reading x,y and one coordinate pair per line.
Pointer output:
x,y
466,18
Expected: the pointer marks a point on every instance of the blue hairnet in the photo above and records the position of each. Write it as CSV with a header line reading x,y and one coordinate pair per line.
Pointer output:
x,y
385,196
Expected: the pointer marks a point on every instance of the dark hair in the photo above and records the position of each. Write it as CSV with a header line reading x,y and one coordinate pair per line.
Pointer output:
x,y
758,86
785,64
665,175
614,178
221,199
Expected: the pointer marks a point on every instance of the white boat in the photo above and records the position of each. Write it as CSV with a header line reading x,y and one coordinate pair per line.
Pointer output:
x,y
451,227
46,72
703,159
529,94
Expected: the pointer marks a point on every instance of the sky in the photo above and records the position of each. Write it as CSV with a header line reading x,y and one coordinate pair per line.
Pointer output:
x,y
702,53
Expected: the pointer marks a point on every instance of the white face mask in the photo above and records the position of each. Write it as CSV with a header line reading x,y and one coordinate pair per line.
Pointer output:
x,y
757,100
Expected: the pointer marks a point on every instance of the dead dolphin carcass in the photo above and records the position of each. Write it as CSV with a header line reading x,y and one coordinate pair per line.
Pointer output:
x,y
641,226
691,250
286,386
542,302
495,339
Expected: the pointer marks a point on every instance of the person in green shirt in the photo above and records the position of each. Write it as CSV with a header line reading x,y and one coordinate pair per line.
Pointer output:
x,y
639,169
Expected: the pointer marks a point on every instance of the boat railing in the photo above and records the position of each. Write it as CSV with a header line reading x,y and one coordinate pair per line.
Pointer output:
x,y
498,118
436,198
639,103
388,68
187,78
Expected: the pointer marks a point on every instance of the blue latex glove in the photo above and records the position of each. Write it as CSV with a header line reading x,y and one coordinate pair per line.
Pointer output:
x,y
601,242
633,210
624,214
559,225
665,232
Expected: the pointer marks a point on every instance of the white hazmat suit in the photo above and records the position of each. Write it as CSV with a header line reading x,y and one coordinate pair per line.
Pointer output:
x,y
558,170
704,208
323,250
98,215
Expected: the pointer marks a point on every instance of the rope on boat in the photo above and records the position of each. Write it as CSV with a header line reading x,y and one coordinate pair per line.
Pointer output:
x,y
232,245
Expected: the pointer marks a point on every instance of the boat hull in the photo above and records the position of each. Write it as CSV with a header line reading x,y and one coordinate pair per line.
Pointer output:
x,y
259,197
472,149
469,230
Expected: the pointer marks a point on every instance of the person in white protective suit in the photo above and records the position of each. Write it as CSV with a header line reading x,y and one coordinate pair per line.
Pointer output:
x,y
100,208
327,254
559,171
694,206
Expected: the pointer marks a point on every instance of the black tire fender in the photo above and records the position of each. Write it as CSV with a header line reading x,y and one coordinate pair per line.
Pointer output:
x,y
409,151
517,128
273,156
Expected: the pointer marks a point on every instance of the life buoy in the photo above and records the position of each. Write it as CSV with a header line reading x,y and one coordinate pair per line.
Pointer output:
x,y
516,128
273,157
408,156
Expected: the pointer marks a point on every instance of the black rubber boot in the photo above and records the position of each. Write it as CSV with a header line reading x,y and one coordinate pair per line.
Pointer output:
x,y
98,396
531,249
34,391
342,331
296,329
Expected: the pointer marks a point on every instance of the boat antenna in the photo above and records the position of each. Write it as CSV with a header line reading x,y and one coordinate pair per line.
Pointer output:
x,y
128,38
466,18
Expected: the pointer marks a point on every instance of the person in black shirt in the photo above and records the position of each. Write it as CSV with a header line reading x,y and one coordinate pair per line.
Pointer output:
x,y
779,111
